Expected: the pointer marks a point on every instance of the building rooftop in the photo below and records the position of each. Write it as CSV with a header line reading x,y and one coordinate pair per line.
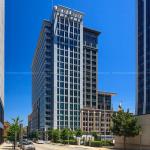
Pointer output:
x,y
69,10
107,93
91,30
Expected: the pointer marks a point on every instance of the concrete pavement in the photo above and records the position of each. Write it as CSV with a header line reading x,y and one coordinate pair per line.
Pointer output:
x,y
7,146
53,146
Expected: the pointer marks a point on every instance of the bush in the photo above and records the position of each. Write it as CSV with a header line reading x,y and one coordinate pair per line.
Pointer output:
x,y
86,143
101,143
72,142
96,143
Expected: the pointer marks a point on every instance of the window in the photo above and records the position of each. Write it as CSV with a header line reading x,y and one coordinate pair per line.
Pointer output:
x,y
61,84
71,23
61,99
61,52
62,20
66,92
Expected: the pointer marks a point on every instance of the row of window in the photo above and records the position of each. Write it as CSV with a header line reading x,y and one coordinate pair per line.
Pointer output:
x,y
68,21
65,65
66,34
65,59
62,123
65,113
72,92
63,106
65,72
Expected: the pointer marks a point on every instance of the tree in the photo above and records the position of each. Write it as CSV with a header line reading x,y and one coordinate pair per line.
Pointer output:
x,y
50,134
14,131
34,135
55,135
65,134
94,134
78,133
125,124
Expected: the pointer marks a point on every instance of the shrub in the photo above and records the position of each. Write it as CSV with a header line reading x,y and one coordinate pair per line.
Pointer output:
x,y
96,143
101,143
72,142
86,143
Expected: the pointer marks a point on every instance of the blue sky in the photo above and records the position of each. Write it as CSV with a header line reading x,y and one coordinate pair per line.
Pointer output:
x,y
115,19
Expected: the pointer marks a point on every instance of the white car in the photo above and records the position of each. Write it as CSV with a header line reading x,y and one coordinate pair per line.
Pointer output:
x,y
28,146
40,142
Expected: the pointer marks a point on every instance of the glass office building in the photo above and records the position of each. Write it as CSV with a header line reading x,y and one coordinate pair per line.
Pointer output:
x,y
1,69
57,72
143,57
68,67
64,72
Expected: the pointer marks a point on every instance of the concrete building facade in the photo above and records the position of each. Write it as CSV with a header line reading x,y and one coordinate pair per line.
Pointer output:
x,y
90,67
98,119
1,69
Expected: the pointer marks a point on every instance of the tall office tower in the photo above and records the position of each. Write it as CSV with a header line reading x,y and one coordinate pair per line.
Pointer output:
x,y
1,69
143,57
90,54
57,72
42,80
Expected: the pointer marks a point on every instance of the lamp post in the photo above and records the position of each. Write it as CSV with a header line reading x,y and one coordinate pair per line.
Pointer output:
x,y
69,130
104,119
140,134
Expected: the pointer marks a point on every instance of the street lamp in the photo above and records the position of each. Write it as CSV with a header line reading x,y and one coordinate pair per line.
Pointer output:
x,y
140,134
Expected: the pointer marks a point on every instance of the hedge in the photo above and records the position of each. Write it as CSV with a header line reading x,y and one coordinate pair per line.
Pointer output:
x,y
100,143
72,142
96,143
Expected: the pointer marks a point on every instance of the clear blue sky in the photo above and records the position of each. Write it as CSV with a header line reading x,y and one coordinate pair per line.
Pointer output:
x,y
115,19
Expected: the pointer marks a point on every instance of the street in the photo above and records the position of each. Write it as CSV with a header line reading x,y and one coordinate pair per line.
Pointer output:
x,y
53,146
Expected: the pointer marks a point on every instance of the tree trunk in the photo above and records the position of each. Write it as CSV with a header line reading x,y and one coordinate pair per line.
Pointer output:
x,y
14,144
124,143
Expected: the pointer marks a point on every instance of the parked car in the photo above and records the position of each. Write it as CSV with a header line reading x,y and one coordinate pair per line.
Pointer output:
x,y
20,142
28,146
40,142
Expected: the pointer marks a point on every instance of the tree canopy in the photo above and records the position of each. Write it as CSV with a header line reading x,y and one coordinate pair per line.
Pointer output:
x,y
125,124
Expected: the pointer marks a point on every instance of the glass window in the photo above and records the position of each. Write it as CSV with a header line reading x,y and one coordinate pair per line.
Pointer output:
x,y
61,78
61,65
62,99
66,92
62,105
61,84
71,23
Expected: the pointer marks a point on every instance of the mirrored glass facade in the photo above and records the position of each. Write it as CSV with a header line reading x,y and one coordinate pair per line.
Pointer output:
x,y
57,72
143,57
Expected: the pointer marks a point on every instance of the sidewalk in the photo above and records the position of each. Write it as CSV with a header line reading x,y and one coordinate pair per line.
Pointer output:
x,y
6,146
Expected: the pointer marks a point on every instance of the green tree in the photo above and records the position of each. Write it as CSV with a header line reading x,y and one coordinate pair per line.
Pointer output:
x,y
55,135
78,133
94,134
34,135
65,134
50,134
125,124
14,131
